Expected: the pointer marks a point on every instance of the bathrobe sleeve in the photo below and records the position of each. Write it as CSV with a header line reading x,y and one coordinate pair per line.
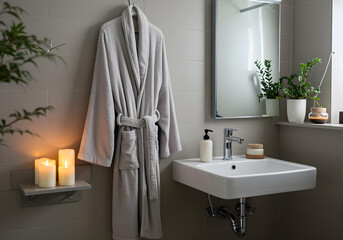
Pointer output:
x,y
98,140
169,135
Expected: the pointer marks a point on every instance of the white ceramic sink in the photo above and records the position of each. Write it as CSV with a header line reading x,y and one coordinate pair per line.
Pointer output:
x,y
242,177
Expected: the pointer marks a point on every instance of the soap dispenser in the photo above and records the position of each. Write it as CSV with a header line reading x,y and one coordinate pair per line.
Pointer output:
x,y
206,148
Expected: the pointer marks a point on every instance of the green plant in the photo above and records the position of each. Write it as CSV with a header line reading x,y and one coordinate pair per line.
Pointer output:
x,y
270,89
301,88
18,49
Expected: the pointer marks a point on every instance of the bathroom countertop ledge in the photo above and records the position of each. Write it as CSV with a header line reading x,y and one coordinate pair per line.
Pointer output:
x,y
329,126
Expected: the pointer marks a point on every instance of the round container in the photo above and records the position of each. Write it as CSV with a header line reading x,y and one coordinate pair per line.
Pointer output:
x,y
318,115
255,151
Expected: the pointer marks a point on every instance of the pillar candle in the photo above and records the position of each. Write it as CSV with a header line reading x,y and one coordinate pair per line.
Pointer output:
x,y
37,161
47,173
66,155
66,175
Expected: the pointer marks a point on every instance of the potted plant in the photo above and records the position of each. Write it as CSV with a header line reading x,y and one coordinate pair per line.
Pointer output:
x,y
318,114
298,90
270,89
17,50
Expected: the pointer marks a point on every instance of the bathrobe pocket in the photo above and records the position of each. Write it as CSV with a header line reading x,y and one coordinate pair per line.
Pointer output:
x,y
128,151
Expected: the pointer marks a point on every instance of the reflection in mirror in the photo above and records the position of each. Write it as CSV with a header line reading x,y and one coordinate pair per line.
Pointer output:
x,y
244,31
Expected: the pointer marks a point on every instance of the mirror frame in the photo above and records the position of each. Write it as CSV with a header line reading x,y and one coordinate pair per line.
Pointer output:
x,y
214,24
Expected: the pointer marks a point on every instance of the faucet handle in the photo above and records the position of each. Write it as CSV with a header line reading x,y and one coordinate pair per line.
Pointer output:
x,y
229,131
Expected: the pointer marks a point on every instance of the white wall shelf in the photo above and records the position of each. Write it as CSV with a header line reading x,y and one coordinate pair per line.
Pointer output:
x,y
32,189
329,126
34,195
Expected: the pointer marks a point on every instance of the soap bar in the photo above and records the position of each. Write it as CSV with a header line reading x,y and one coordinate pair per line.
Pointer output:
x,y
252,151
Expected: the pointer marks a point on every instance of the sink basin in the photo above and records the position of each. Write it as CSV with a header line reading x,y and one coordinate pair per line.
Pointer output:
x,y
242,177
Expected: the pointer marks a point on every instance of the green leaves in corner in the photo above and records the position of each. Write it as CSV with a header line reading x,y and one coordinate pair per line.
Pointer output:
x,y
8,128
18,49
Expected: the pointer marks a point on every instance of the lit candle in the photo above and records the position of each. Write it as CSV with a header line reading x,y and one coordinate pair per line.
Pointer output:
x,y
66,175
37,162
66,155
47,173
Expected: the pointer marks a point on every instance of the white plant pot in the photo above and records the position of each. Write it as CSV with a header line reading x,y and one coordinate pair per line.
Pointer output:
x,y
296,110
272,107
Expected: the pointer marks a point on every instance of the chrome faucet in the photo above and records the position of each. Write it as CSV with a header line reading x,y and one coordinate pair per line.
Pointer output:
x,y
228,139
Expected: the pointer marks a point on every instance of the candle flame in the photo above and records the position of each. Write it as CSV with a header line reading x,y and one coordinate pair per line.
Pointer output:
x,y
47,162
66,164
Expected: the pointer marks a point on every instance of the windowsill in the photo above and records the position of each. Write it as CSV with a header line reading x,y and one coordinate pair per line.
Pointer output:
x,y
329,126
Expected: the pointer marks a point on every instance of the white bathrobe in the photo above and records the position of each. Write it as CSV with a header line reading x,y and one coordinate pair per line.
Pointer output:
x,y
131,118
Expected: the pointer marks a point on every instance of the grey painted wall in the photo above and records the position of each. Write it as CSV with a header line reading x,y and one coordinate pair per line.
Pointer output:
x,y
187,29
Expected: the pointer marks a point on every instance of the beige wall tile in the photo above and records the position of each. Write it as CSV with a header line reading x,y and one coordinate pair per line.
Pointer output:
x,y
334,229
32,7
70,107
189,107
188,76
79,36
188,42
40,233
191,134
192,45
310,201
311,225
182,220
287,2
87,9
311,15
333,196
175,194
18,100
76,75
286,48
286,18
98,228
5,179
192,14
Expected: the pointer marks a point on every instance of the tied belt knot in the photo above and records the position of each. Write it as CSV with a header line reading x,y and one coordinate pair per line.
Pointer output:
x,y
148,124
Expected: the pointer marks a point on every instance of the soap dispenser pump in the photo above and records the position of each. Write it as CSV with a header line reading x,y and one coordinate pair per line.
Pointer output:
x,y
206,147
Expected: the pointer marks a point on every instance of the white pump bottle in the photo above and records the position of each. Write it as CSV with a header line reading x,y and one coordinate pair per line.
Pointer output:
x,y
206,147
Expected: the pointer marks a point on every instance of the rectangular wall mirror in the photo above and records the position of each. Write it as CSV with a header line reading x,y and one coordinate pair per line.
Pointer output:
x,y
243,31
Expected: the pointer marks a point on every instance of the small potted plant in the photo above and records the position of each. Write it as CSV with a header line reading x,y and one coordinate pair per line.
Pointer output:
x,y
318,114
270,89
298,90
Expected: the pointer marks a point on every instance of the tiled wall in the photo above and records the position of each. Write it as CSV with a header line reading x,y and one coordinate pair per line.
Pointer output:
x,y
187,29
312,38
337,70
313,214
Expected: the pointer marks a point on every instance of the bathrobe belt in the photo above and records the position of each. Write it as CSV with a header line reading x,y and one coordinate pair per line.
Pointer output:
x,y
150,142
